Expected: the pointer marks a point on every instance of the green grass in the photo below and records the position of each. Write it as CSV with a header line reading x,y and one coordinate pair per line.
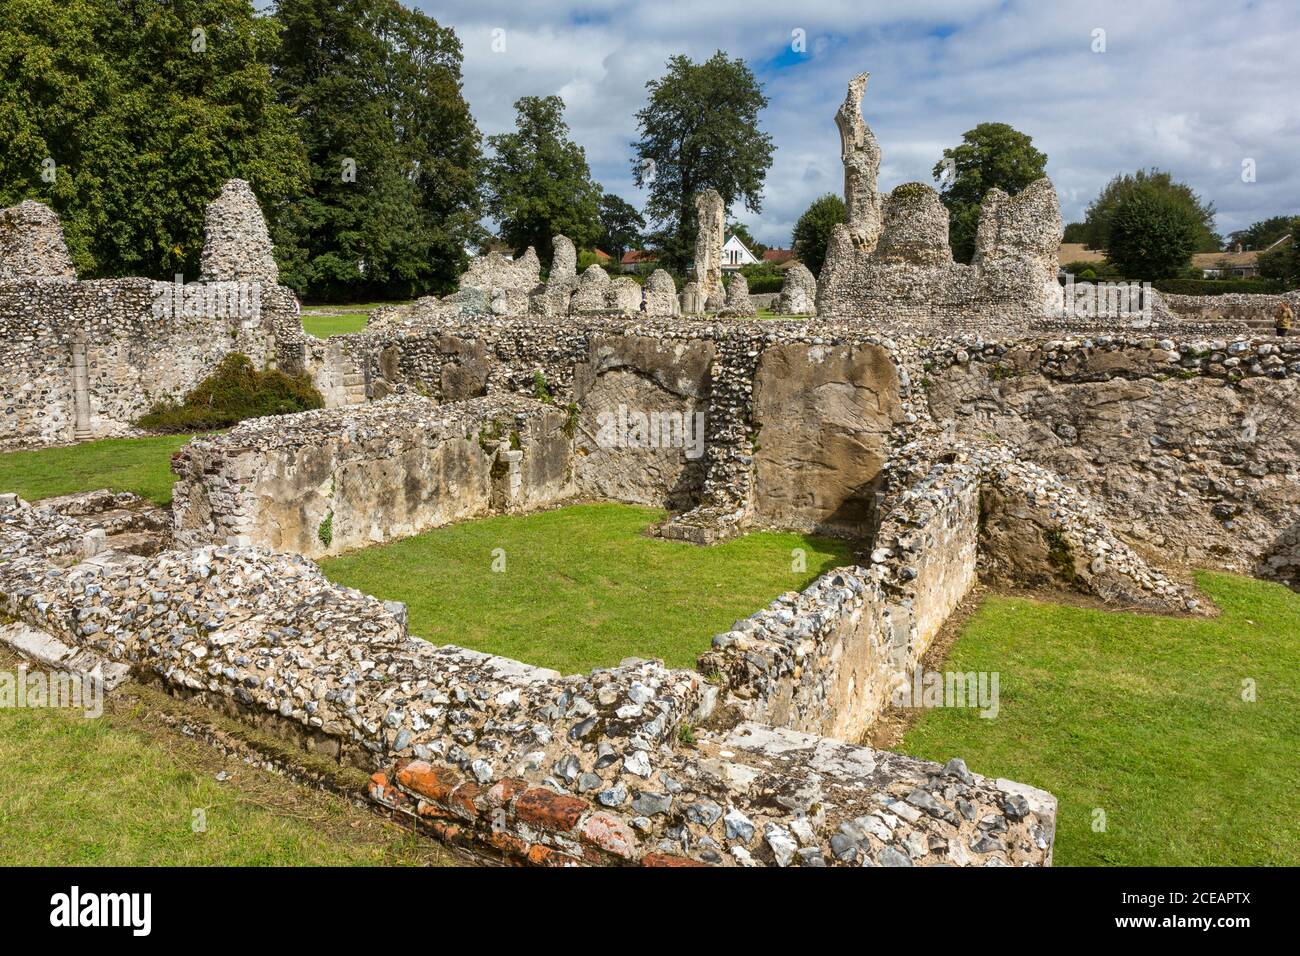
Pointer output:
x,y
141,465
323,326
112,791
583,586
1141,717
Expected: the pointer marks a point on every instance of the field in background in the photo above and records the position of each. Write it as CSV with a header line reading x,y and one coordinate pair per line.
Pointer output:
x,y
322,321
1141,719
582,586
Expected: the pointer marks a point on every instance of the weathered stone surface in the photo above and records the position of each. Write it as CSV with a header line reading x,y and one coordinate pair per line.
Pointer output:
x,y
711,217
236,243
860,155
31,244
823,418
738,304
798,291
335,480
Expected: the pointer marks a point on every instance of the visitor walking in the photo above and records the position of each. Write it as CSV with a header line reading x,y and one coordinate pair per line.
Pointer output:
x,y
1283,318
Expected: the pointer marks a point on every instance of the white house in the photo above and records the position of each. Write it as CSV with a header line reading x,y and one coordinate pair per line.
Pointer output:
x,y
735,254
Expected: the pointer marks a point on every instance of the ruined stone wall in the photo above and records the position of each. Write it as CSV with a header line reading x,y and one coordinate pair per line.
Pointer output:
x,y
816,439
330,481
829,659
1253,310
507,760
83,360
1190,448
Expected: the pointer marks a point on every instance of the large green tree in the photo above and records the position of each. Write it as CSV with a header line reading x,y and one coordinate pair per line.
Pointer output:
x,y
538,181
1282,261
127,115
1102,210
395,156
620,226
812,233
699,130
990,155
1151,234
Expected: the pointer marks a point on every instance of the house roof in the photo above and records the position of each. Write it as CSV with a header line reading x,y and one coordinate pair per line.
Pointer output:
x,y
1079,252
634,256
777,255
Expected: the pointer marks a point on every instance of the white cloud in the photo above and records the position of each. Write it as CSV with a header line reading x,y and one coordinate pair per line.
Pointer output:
x,y
1193,86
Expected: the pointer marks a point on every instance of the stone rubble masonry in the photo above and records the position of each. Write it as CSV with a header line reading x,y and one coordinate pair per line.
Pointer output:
x,y
891,259
327,481
236,244
860,155
32,246
509,760
738,304
827,660
83,360
798,291
711,222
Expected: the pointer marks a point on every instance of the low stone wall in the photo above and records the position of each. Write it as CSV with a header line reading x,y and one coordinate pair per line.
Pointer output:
x,y
84,360
829,659
1257,310
329,481
509,760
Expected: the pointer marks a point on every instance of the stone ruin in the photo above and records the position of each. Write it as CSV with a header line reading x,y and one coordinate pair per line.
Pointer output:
x,y
236,242
32,246
1001,448
892,261
85,359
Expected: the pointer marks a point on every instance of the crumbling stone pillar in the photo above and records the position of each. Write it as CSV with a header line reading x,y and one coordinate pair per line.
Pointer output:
x,y
711,215
861,157
31,244
236,244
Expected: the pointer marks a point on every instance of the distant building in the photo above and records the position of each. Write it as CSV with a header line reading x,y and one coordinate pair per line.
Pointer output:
x,y
639,260
1238,264
735,254
781,258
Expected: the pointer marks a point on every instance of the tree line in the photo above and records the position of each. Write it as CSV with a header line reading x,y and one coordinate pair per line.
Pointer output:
x,y
348,117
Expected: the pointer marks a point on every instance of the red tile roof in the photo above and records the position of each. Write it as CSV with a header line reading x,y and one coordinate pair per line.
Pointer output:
x,y
633,256
777,255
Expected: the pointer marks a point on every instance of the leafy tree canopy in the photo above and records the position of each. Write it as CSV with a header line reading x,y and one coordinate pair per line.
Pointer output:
x,y
395,155
992,155
1262,234
699,130
1102,209
1152,233
812,232
1282,262
621,226
538,181
126,116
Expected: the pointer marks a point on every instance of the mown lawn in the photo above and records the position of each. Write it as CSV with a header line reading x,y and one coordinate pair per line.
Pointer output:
x,y
120,790
1142,719
141,465
323,326
583,586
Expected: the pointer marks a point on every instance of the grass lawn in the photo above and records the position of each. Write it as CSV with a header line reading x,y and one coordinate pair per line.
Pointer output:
x,y
122,790
583,587
323,326
142,465
1143,718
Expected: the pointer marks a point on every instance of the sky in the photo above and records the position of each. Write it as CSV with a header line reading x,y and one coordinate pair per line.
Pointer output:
x,y
1207,90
